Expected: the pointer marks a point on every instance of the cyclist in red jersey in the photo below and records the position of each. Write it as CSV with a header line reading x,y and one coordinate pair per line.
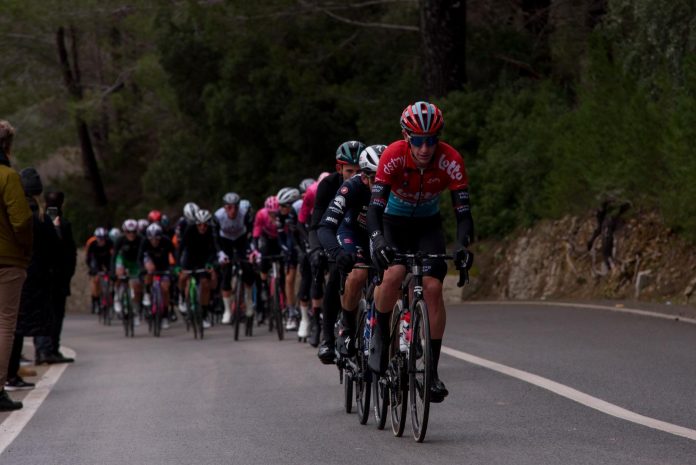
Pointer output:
x,y
404,216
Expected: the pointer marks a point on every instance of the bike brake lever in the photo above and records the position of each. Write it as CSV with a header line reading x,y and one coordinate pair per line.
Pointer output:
x,y
463,277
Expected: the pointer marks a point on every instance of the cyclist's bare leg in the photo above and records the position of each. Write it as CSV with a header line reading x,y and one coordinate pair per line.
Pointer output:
x,y
351,294
205,291
94,286
387,293
432,290
165,293
183,284
290,286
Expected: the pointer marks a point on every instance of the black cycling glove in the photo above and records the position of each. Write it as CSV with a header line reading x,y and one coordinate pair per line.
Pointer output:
x,y
345,261
463,259
382,253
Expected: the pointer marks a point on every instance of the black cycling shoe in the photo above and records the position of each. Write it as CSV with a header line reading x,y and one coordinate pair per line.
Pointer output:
x,y
314,329
345,342
327,352
438,391
378,357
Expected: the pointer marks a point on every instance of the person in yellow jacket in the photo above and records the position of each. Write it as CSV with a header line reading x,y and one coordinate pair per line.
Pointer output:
x,y
15,251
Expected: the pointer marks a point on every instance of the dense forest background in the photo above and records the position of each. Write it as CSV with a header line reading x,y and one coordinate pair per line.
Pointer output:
x,y
556,105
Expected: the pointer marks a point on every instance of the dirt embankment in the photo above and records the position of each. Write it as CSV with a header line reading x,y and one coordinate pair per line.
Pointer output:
x,y
629,258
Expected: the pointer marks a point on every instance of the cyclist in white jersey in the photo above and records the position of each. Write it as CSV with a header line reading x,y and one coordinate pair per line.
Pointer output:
x,y
235,223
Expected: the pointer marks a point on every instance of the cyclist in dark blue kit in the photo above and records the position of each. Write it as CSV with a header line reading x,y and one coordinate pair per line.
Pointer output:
x,y
343,234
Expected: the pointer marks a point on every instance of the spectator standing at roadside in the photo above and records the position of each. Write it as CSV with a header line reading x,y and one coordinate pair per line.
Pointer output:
x,y
60,282
34,306
15,250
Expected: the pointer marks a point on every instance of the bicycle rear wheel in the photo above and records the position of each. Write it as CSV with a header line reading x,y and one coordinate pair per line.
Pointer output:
x,y
363,381
397,376
237,315
380,396
278,311
419,370
348,392
156,310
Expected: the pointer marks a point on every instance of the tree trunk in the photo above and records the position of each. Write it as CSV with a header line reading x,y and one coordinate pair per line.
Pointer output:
x,y
443,30
71,76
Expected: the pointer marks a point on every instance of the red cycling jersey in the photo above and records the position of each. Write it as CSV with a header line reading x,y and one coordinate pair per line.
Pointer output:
x,y
414,191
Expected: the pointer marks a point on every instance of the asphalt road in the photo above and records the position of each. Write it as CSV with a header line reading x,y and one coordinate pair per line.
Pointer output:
x,y
175,400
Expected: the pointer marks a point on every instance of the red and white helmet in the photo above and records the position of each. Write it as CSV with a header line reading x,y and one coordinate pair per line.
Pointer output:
x,y
422,118
271,204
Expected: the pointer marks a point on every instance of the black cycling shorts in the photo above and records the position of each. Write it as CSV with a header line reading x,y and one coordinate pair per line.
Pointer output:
x,y
305,279
410,235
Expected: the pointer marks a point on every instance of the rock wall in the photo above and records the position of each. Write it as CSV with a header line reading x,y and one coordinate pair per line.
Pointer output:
x,y
643,259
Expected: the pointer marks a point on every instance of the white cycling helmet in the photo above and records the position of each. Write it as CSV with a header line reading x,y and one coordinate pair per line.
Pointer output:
x,y
203,216
305,183
101,233
130,225
114,234
154,230
369,158
287,195
190,210
142,225
231,198
244,204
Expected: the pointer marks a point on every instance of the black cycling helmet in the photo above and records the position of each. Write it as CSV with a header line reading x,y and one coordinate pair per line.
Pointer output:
x,y
348,153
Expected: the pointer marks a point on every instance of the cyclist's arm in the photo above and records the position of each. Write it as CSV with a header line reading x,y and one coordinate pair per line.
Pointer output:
x,y
321,202
465,222
375,211
326,232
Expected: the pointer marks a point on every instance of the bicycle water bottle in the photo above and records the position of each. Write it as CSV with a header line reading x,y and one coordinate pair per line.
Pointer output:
x,y
367,333
405,331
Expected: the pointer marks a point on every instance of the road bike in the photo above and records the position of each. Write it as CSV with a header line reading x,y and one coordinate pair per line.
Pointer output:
x,y
194,315
126,298
240,314
410,372
276,288
157,309
354,372
105,301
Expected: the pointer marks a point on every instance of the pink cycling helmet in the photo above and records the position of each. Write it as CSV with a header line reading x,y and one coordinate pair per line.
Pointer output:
x,y
271,204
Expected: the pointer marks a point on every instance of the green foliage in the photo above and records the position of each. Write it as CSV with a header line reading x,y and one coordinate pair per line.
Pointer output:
x,y
252,96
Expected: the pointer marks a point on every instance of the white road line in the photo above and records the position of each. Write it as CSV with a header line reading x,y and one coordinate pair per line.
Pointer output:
x,y
633,311
574,395
15,423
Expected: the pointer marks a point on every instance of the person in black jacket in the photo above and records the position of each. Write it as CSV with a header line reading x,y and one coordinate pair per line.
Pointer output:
x,y
34,307
347,156
60,284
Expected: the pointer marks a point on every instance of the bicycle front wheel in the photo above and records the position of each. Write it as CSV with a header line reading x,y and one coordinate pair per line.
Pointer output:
x,y
237,314
363,381
419,370
397,376
278,311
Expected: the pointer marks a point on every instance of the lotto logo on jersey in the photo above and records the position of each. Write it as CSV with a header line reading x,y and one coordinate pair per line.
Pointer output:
x,y
452,168
340,201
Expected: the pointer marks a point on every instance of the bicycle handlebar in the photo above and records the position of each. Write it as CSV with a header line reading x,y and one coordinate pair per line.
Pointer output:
x,y
419,256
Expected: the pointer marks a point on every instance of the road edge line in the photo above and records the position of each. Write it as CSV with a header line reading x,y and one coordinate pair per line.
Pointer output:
x,y
17,420
574,395
632,311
